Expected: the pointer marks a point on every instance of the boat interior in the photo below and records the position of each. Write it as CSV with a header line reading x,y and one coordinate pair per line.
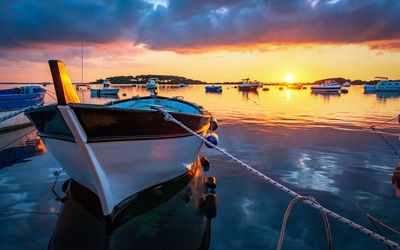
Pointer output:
x,y
169,105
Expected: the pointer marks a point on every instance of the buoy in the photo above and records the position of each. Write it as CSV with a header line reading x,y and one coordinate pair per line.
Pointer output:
x,y
213,138
280,88
123,94
210,182
210,206
214,124
344,91
205,163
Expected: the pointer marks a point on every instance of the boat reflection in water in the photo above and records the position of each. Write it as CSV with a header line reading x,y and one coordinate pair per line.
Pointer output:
x,y
166,216
29,145
108,96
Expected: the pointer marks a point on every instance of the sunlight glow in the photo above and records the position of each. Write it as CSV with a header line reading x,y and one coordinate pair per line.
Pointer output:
x,y
289,79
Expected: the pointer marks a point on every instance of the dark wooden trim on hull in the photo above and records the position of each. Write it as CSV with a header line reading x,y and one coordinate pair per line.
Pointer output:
x,y
102,123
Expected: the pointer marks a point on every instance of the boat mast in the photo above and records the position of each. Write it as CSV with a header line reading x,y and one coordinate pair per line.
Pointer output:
x,y
82,61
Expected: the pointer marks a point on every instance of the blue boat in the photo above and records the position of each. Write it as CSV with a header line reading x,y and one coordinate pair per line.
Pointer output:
x,y
22,97
214,89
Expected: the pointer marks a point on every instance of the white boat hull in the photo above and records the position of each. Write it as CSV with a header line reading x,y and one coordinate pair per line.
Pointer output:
x,y
125,167
106,91
325,90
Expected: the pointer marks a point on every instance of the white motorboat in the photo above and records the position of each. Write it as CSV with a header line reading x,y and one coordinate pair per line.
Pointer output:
x,y
182,85
118,149
106,90
327,87
152,84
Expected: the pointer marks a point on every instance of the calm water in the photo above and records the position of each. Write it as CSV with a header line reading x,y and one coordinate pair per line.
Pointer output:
x,y
317,145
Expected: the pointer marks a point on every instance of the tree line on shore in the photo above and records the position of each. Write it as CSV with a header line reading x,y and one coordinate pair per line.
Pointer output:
x,y
170,79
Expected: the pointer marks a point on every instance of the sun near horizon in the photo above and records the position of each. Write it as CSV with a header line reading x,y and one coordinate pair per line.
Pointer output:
x,y
289,79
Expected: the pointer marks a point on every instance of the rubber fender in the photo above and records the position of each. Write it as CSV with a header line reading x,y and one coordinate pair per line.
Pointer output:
x,y
210,206
205,162
213,124
212,138
211,182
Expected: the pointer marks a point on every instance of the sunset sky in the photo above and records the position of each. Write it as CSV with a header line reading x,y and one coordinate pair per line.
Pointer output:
x,y
209,40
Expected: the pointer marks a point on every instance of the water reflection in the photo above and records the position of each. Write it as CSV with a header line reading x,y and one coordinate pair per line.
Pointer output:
x,y
167,216
28,145
103,96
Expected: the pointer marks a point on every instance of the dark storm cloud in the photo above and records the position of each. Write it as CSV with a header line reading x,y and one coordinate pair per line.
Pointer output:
x,y
195,24
27,22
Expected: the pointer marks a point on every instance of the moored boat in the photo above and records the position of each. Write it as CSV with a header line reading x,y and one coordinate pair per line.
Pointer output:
x,y
152,84
106,90
214,89
12,100
121,148
388,86
247,85
326,87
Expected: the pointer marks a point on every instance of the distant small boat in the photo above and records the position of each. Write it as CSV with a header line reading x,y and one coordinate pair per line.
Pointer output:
x,y
182,85
12,100
265,89
106,90
388,86
215,89
295,86
369,87
152,84
327,86
346,84
82,86
247,85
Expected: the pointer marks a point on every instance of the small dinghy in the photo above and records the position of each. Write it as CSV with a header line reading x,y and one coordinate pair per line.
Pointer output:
x,y
118,149
12,103
214,89
22,97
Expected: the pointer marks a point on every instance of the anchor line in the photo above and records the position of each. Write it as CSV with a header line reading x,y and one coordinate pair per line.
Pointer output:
x,y
385,140
390,243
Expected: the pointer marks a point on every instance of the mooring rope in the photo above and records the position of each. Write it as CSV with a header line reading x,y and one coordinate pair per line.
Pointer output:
x,y
313,204
6,117
373,127
289,208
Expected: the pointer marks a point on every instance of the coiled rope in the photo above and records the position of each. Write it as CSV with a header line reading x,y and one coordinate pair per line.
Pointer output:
x,y
311,203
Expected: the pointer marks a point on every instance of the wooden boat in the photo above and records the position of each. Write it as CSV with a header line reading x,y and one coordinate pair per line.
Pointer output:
x,y
22,97
173,209
121,148
12,100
